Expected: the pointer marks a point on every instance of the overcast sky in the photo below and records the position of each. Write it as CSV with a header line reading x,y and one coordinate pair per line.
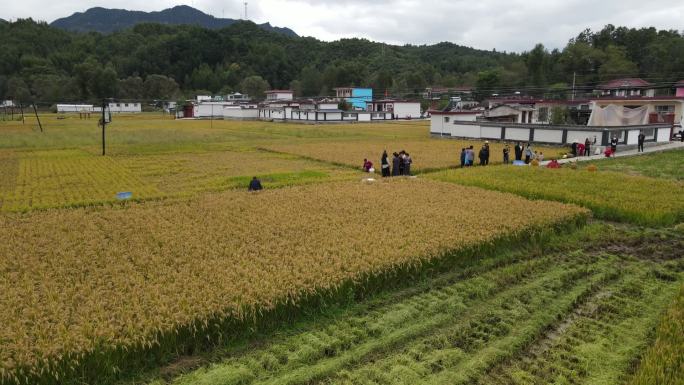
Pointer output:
x,y
506,25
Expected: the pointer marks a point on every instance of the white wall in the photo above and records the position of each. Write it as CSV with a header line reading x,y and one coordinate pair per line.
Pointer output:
x,y
74,107
364,117
663,135
279,96
463,130
633,137
467,117
407,110
125,107
581,136
330,116
490,132
548,136
518,134
437,123
208,110
240,113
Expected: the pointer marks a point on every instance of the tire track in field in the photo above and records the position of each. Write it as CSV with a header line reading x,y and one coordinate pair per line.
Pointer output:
x,y
625,308
314,356
473,342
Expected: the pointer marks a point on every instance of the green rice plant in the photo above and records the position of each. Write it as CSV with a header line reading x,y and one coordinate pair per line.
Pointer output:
x,y
666,164
663,363
610,195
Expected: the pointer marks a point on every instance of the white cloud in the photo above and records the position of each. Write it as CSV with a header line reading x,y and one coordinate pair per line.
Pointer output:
x,y
511,25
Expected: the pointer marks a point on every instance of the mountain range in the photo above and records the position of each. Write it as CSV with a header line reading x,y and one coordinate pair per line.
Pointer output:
x,y
106,20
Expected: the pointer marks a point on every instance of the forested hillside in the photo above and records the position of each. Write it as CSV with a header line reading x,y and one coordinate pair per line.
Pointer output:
x,y
155,61
107,20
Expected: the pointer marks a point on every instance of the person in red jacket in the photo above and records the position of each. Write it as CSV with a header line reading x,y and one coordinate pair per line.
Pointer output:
x,y
553,164
367,165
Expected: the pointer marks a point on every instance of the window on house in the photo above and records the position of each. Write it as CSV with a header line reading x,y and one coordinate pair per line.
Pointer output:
x,y
665,109
118,104
649,133
126,105
620,135
446,119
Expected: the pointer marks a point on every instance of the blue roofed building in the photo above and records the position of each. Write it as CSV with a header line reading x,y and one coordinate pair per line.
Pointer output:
x,y
356,96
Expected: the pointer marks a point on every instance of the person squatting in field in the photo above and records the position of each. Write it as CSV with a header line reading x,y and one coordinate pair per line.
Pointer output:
x,y
367,165
255,185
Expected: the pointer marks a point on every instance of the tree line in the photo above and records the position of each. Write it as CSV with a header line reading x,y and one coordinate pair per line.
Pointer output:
x,y
155,61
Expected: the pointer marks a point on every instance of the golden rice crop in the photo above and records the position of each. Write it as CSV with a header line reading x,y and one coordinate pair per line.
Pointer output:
x,y
62,178
427,154
77,282
609,195
217,170
45,179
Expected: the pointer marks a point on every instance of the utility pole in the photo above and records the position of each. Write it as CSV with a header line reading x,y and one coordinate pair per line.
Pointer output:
x,y
21,108
574,80
104,123
35,111
246,17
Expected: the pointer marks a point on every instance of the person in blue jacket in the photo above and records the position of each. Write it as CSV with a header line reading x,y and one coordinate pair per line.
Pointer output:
x,y
255,185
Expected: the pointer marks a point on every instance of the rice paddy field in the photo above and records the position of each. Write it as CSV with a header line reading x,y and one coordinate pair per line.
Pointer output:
x,y
491,275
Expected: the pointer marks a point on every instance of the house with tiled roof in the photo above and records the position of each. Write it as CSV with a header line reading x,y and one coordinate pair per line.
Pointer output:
x,y
632,93
626,87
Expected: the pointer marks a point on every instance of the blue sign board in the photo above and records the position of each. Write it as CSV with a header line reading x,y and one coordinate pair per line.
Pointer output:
x,y
122,196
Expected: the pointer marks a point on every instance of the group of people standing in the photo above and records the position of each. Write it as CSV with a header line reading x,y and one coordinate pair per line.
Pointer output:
x,y
401,164
468,155
583,149
521,153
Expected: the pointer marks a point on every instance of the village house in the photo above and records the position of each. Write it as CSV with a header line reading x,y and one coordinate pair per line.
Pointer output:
x,y
237,97
75,108
637,93
355,96
245,111
125,107
626,87
436,93
279,95
534,111
400,109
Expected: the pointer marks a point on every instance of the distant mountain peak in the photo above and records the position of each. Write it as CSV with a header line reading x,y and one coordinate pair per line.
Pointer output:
x,y
106,20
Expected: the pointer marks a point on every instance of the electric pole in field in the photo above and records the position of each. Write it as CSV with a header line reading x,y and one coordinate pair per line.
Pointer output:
x,y
246,17
35,111
104,124
574,79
